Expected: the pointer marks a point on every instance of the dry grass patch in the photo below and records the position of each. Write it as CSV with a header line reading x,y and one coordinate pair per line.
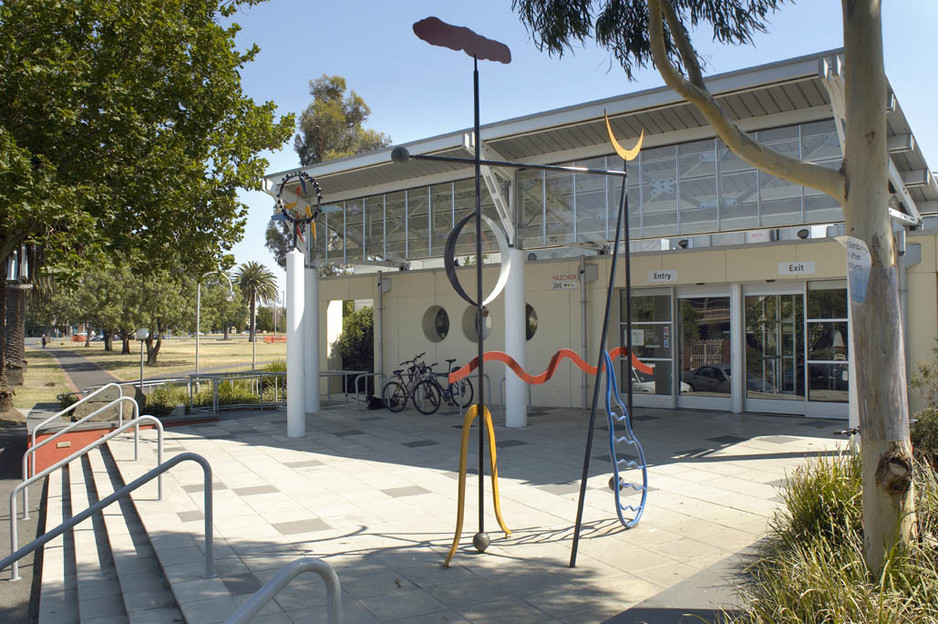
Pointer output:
x,y
177,356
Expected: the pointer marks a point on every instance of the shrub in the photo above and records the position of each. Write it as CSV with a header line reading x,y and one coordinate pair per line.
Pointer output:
x,y
233,392
924,436
161,401
811,568
67,400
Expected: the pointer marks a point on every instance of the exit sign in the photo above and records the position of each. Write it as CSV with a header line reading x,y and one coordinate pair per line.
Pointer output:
x,y
804,267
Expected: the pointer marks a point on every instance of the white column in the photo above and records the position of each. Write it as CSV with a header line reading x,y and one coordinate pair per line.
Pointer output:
x,y
737,344
296,415
311,340
516,391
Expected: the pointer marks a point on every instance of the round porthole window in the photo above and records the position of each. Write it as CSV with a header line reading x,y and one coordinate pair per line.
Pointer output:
x,y
469,324
530,321
435,323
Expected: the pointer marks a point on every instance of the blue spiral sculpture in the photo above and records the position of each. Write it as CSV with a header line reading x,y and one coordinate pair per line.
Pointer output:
x,y
617,413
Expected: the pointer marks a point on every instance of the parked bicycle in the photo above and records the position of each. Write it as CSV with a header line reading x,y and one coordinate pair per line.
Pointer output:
x,y
430,392
397,390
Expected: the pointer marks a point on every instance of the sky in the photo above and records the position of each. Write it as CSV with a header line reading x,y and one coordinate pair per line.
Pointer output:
x,y
417,91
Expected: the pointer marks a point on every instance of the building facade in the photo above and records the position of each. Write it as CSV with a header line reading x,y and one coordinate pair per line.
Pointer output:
x,y
739,298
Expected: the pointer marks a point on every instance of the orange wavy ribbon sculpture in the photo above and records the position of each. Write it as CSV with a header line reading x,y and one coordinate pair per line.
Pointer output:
x,y
501,356
486,421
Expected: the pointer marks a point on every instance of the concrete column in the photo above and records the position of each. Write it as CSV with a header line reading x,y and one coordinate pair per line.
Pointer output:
x,y
311,340
737,344
296,403
516,391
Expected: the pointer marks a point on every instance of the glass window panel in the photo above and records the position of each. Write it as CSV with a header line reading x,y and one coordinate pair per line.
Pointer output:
x,y
828,382
821,208
441,204
650,341
819,142
395,226
659,192
739,192
780,200
374,241
647,308
590,202
466,204
531,198
418,223
354,231
828,340
335,224
658,382
827,300
698,187
559,206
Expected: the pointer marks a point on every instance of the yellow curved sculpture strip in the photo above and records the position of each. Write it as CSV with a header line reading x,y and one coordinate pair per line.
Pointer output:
x,y
463,458
624,154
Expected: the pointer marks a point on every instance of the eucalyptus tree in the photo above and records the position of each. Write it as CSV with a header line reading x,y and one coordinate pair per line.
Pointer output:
x,y
257,284
123,126
642,32
330,127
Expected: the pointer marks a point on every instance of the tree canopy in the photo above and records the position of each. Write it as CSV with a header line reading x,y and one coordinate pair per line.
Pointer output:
x,y
123,126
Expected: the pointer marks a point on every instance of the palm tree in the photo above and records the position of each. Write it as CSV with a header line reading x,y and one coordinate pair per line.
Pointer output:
x,y
258,283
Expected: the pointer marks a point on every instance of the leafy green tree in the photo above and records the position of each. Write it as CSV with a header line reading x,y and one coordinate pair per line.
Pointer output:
x,y
330,128
640,32
356,343
123,126
257,283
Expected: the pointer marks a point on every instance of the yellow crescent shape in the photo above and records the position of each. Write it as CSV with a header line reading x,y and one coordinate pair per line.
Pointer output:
x,y
627,155
290,205
309,211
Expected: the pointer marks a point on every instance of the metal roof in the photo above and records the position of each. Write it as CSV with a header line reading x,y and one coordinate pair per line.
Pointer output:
x,y
781,93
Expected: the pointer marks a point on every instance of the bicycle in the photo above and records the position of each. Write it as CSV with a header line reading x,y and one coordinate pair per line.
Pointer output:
x,y
428,393
396,391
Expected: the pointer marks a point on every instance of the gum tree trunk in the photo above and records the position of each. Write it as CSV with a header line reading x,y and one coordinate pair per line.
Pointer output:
x,y
888,505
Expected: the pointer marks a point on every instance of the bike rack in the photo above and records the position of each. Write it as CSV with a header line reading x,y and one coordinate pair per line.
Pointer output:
x,y
30,467
16,555
280,580
501,393
358,390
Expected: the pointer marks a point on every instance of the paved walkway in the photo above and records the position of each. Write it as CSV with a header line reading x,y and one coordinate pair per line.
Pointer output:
x,y
375,494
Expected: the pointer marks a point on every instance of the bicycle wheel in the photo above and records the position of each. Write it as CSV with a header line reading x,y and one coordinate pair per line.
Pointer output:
x,y
463,386
426,397
394,395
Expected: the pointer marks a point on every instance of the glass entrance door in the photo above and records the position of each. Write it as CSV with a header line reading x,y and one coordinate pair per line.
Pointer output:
x,y
705,350
774,351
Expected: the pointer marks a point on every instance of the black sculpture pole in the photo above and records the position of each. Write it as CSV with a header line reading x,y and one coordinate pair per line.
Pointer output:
x,y
598,382
628,303
480,541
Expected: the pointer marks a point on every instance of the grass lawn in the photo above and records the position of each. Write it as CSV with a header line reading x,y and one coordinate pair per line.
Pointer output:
x,y
44,380
177,356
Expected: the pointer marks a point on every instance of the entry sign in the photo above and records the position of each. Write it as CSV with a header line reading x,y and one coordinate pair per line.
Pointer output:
x,y
662,277
805,267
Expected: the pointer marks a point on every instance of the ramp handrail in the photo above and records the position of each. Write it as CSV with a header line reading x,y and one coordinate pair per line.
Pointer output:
x,y
280,580
30,467
16,555
73,406
133,423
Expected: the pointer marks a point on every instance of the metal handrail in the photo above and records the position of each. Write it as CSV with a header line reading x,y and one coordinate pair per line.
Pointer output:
x,y
16,555
72,407
358,390
133,423
30,467
280,580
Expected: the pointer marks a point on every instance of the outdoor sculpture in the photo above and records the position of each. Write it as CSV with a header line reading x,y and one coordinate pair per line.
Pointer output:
x,y
436,32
